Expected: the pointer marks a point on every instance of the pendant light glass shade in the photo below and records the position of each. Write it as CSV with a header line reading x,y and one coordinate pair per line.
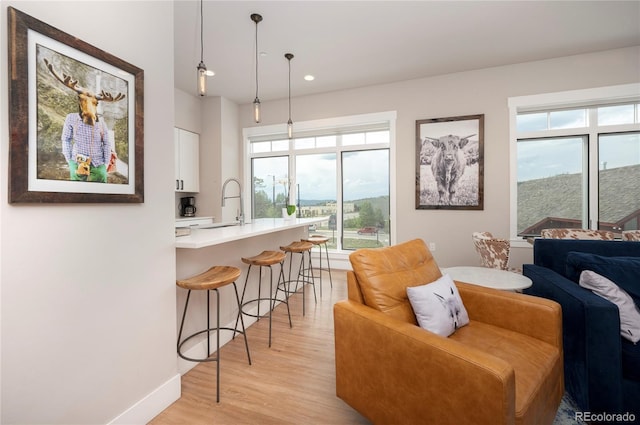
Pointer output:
x,y
256,102
202,79
256,110
289,56
202,68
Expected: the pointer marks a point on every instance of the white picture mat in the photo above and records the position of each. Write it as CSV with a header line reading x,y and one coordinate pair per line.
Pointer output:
x,y
43,185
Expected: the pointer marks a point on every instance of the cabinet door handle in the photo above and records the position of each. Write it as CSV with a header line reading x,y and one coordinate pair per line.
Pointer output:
x,y
177,184
181,184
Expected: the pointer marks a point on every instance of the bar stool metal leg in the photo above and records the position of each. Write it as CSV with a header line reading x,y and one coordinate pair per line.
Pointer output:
x,y
319,241
265,259
300,247
246,343
326,252
213,279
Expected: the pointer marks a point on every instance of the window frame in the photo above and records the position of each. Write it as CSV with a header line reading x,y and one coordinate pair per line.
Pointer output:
x,y
587,98
353,123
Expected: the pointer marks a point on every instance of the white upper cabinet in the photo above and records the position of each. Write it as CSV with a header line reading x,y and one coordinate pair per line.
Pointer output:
x,y
187,169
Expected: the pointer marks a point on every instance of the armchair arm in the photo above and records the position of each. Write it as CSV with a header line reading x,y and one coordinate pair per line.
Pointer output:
x,y
395,372
591,339
537,317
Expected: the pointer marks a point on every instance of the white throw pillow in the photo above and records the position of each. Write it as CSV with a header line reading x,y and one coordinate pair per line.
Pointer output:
x,y
629,313
438,306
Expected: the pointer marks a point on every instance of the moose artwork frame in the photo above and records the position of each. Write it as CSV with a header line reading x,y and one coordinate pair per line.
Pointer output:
x,y
450,163
75,116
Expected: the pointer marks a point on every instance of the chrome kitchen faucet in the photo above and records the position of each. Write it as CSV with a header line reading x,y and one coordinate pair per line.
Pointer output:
x,y
240,216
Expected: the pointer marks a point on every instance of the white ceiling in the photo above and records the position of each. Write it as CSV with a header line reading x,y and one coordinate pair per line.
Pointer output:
x,y
348,44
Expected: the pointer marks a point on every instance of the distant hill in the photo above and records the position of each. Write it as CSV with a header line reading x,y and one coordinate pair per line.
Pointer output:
x,y
380,202
561,196
314,202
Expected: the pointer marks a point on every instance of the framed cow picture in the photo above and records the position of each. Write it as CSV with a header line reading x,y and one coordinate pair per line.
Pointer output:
x,y
450,163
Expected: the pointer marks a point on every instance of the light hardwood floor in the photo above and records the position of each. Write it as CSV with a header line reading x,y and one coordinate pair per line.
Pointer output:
x,y
293,382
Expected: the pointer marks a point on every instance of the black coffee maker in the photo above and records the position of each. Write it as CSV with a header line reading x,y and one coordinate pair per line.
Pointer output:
x,y
188,206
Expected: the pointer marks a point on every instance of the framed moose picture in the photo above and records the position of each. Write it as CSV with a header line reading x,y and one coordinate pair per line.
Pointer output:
x,y
450,163
76,119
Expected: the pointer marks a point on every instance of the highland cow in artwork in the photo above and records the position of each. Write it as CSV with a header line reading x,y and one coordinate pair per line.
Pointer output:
x,y
449,163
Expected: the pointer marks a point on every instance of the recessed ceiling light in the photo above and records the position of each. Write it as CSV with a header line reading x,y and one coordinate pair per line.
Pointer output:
x,y
309,77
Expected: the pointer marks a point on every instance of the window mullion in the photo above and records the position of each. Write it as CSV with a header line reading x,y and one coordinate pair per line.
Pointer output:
x,y
339,200
593,162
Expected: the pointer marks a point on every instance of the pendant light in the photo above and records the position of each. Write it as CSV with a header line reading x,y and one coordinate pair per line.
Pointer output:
x,y
256,102
202,68
289,56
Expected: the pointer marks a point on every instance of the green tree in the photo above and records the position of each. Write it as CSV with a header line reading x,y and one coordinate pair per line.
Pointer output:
x,y
380,221
367,215
262,205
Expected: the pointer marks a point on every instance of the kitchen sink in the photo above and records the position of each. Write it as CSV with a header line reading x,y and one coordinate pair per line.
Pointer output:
x,y
216,225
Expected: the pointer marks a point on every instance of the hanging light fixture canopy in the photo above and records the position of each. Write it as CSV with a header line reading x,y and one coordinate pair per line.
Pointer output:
x,y
256,102
202,68
289,56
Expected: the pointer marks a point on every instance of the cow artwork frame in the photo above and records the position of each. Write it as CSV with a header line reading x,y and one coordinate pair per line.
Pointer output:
x,y
450,163
67,97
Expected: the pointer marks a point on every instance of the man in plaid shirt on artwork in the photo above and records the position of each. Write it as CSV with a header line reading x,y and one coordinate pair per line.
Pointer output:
x,y
86,148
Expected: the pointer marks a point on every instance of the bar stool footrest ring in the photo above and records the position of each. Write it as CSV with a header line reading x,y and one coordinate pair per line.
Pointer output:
x,y
211,358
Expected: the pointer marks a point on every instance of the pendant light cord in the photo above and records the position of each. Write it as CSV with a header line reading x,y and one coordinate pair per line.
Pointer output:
x,y
256,59
201,34
289,89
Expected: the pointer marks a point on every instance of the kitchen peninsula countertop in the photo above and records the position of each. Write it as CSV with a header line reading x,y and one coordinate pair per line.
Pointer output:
x,y
200,238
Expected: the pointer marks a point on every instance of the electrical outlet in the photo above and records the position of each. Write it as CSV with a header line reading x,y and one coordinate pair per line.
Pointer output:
x,y
432,246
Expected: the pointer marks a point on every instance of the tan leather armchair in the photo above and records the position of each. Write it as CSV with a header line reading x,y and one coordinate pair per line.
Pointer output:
x,y
504,367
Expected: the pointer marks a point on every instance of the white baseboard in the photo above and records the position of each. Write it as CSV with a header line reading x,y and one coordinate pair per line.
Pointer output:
x,y
151,405
339,261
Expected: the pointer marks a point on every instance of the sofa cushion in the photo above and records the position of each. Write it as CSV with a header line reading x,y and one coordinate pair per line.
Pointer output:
x,y
385,273
628,311
438,306
623,271
631,360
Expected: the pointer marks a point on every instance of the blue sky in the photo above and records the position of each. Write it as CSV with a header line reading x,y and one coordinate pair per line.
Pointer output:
x,y
550,157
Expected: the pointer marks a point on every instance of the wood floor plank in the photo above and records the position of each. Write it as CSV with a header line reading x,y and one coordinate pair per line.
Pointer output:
x,y
293,382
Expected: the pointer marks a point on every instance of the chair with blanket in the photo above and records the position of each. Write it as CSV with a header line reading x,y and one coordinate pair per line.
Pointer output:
x,y
631,235
494,252
503,367
577,234
602,369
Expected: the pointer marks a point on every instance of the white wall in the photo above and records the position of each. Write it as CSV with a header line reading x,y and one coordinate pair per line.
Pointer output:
x,y
88,290
477,92
220,150
189,116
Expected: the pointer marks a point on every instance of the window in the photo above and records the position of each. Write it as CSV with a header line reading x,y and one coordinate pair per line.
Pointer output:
x,y
619,181
365,198
573,165
339,169
269,181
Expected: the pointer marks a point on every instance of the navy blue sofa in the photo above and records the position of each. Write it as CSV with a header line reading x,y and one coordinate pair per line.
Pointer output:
x,y
602,369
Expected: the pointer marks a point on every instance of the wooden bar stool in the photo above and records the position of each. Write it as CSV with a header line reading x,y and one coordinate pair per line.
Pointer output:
x,y
320,241
305,274
265,259
213,279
